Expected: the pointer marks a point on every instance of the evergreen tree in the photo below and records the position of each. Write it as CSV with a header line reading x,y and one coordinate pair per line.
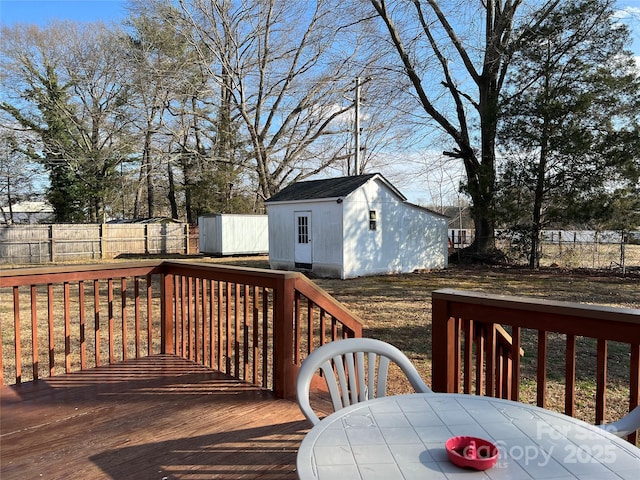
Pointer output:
x,y
570,123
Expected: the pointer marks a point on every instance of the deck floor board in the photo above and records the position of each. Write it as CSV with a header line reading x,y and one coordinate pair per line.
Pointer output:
x,y
158,418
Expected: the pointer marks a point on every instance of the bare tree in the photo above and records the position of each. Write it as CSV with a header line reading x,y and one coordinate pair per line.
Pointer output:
x,y
468,46
162,75
18,174
275,63
64,84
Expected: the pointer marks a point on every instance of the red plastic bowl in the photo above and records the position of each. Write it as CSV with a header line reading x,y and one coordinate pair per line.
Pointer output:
x,y
472,452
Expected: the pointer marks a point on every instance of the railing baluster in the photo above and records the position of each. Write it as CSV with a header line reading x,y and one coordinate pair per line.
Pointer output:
x,y
245,334
149,316
514,374
17,337
236,330
96,319
491,345
456,364
297,314
468,355
205,324
541,370
136,314
310,328
228,329
219,326
570,376
123,316
601,380
52,350
212,323
480,356
82,313
67,328
167,314
184,320
634,384
111,321
34,336
265,335
2,383
255,354
196,320
323,326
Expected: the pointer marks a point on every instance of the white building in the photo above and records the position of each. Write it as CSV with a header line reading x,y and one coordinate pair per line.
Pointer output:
x,y
233,234
352,226
26,212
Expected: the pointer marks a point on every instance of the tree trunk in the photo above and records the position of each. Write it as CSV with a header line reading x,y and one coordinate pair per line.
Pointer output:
x,y
536,219
172,193
146,160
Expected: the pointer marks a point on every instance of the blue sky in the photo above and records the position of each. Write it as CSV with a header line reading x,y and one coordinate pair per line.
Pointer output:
x,y
42,11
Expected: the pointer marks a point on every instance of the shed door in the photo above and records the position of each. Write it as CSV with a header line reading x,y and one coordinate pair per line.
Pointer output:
x,y
302,253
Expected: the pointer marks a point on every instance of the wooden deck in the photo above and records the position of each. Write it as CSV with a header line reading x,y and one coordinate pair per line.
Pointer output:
x,y
160,417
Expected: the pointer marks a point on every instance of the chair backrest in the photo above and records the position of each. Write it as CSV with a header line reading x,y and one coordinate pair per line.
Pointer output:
x,y
626,425
355,369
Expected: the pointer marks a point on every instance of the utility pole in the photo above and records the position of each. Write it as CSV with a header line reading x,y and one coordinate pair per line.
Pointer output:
x,y
357,132
356,158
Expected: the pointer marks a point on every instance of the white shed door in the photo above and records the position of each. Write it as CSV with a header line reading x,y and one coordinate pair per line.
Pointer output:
x,y
302,253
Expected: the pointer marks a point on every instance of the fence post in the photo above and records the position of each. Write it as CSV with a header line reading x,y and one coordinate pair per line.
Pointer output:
x,y
186,239
284,375
443,342
623,241
102,229
51,242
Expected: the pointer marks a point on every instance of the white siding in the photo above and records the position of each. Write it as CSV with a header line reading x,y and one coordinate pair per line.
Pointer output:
x,y
407,238
326,235
228,234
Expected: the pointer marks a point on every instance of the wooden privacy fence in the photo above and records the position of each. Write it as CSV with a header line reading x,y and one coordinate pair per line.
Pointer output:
x,y
29,244
254,325
468,354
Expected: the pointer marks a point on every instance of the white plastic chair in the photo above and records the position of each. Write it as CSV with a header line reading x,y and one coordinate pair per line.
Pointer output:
x,y
626,425
343,364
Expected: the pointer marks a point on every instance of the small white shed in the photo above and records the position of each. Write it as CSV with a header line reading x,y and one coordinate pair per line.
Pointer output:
x,y
352,226
233,234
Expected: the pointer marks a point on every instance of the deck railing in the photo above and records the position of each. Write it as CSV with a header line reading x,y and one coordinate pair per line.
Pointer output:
x,y
255,325
469,356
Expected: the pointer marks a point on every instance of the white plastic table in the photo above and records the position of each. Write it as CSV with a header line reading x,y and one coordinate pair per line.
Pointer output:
x,y
403,436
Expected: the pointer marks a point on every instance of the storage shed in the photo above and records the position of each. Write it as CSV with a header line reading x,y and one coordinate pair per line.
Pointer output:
x,y
352,226
233,234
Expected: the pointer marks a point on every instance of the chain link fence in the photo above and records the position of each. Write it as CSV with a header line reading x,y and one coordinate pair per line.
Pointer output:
x,y
588,249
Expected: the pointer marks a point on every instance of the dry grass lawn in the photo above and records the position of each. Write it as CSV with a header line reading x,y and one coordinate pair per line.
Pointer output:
x,y
397,309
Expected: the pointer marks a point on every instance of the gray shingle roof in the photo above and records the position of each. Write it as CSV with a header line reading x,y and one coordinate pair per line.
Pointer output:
x,y
328,188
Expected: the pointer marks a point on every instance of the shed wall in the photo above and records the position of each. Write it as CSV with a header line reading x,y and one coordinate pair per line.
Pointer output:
x,y
406,238
229,234
325,231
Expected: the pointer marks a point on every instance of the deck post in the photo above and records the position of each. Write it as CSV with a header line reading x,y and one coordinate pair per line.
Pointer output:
x,y
166,314
284,377
443,343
